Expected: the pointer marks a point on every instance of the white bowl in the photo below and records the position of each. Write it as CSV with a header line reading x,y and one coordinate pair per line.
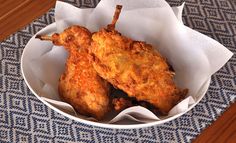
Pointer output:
x,y
35,48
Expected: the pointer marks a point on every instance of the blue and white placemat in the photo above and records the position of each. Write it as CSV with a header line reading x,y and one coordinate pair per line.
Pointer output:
x,y
23,118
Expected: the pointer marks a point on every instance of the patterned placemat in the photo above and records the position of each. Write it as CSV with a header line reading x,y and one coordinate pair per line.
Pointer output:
x,y
23,118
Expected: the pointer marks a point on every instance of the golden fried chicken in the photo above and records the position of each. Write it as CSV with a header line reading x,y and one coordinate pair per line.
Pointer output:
x,y
121,103
80,85
134,67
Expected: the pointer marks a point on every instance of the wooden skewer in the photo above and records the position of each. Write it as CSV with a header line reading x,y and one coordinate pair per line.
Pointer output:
x,y
44,37
115,18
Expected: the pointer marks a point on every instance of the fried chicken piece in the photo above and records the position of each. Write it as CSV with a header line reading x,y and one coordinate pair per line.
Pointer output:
x,y
80,85
134,67
120,104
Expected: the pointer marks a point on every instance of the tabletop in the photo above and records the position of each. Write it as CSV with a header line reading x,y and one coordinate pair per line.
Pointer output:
x,y
23,118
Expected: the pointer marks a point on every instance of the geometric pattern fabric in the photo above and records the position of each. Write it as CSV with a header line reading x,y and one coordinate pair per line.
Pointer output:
x,y
23,118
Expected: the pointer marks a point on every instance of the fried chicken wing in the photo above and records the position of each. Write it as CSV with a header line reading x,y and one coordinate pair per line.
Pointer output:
x,y
134,67
80,85
121,103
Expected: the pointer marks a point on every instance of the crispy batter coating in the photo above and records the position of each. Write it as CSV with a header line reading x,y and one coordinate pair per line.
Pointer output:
x,y
80,85
134,67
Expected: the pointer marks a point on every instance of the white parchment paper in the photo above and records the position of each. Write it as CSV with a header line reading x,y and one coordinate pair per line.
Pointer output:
x,y
194,56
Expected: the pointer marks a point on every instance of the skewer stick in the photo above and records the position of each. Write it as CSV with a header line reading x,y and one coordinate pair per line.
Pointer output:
x,y
44,37
115,18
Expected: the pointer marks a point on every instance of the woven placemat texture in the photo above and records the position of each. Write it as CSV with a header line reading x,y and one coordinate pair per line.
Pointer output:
x,y
23,118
